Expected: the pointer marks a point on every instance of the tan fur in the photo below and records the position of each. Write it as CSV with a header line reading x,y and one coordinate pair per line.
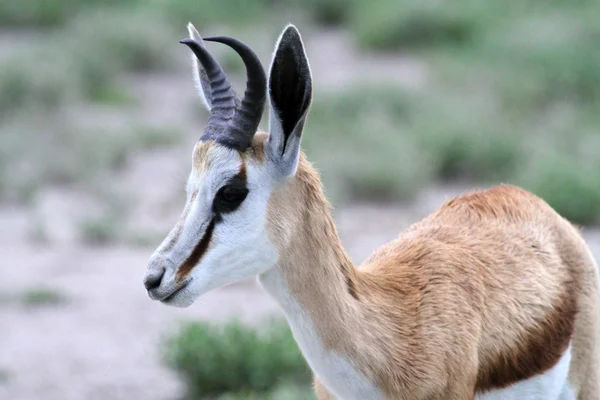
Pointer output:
x,y
257,150
487,291
200,156
321,391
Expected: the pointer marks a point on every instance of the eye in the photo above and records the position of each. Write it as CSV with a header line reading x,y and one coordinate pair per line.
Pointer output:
x,y
233,194
229,197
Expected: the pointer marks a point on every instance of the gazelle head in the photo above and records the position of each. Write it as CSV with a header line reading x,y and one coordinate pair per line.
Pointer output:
x,y
223,234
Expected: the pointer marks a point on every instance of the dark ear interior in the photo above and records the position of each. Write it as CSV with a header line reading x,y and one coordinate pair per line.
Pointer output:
x,y
290,85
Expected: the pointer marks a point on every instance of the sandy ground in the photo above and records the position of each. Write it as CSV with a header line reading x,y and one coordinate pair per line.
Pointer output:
x,y
104,342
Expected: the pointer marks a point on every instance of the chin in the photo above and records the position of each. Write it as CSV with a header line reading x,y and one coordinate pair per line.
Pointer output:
x,y
182,299
183,303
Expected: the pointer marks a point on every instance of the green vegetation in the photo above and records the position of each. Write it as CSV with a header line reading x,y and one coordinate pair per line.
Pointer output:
x,y
236,361
568,185
23,86
100,230
382,143
60,153
85,61
4,375
36,12
284,392
512,95
354,141
133,40
390,24
42,297
205,12
48,13
38,232
327,12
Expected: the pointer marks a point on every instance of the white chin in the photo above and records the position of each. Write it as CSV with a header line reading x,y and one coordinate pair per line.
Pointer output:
x,y
180,300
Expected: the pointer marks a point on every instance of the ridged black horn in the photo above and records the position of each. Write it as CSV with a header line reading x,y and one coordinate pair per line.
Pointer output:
x,y
249,113
222,96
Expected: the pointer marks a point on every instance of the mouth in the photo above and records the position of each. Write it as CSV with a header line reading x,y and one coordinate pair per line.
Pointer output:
x,y
171,296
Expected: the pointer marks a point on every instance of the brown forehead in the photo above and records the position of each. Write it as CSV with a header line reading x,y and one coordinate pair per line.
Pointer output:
x,y
201,155
205,151
257,150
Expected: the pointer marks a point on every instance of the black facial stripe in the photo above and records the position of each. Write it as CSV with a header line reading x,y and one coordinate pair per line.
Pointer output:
x,y
198,251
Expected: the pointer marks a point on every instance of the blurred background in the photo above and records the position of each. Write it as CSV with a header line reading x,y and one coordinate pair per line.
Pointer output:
x,y
414,101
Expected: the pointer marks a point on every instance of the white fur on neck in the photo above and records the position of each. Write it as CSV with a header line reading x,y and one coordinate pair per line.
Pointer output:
x,y
551,385
334,370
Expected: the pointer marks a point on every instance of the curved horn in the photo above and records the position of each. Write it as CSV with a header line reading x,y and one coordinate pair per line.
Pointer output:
x,y
250,111
222,97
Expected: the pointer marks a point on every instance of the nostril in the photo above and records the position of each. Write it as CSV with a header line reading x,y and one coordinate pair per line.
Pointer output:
x,y
152,280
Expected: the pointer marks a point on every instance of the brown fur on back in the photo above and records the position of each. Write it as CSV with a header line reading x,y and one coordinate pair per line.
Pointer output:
x,y
486,255
489,290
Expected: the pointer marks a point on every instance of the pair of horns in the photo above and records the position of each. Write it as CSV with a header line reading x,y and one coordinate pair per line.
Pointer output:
x,y
232,123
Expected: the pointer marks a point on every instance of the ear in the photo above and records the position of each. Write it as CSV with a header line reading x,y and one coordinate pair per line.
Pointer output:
x,y
290,92
200,77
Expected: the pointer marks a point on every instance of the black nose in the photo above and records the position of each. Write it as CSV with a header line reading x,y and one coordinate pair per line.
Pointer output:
x,y
152,279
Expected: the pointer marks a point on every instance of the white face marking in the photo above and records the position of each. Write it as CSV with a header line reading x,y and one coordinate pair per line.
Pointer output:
x,y
551,385
335,370
238,247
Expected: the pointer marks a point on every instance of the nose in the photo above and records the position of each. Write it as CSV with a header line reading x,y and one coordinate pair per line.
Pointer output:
x,y
153,278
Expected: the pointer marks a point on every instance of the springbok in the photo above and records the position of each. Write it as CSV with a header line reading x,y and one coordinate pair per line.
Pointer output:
x,y
493,296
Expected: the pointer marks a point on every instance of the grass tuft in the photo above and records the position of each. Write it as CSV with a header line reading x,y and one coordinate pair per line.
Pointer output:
x,y
235,359
570,187
42,297
4,375
50,13
327,12
390,24
282,392
355,144
203,13
112,96
136,40
34,13
65,153
100,230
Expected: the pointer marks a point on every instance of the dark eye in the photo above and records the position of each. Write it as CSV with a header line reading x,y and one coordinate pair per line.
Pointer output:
x,y
229,198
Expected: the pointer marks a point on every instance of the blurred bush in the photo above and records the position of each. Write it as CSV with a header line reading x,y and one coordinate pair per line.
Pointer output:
x,y
513,90
327,12
84,62
204,12
36,297
35,12
41,13
135,40
355,142
569,186
62,152
236,360
391,24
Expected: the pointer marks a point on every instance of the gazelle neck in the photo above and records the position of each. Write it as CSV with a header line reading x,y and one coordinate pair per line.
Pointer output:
x,y
317,286
314,272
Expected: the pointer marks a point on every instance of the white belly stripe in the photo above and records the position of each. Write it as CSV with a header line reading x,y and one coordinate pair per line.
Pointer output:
x,y
551,385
